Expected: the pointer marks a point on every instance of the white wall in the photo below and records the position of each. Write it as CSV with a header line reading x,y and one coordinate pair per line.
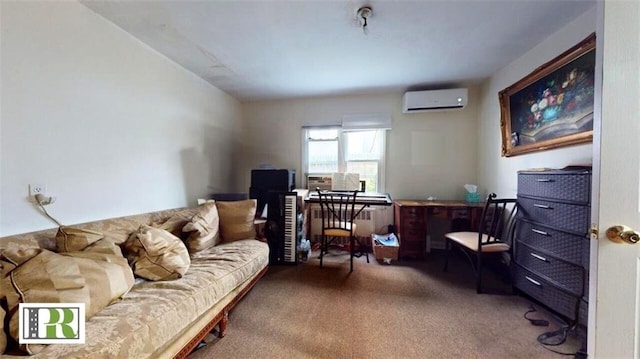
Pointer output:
x,y
499,173
108,125
428,154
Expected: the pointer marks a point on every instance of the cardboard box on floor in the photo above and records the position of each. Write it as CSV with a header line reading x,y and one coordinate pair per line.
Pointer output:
x,y
381,252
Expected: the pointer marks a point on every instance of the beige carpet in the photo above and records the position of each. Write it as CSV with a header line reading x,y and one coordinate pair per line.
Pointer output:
x,y
404,310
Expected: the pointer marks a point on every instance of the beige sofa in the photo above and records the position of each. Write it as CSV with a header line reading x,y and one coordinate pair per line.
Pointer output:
x,y
159,319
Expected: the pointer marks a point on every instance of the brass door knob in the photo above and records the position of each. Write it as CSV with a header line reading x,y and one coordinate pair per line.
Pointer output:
x,y
623,234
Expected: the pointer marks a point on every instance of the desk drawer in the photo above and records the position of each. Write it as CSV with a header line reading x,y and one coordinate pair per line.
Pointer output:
x,y
412,247
546,293
413,213
414,233
570,217
412,224
566,275
571,247
562,186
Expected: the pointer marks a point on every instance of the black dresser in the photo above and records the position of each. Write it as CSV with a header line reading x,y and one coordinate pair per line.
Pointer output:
x,y
551,243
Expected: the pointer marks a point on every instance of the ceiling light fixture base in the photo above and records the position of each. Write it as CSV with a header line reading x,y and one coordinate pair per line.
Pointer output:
x,y
363,14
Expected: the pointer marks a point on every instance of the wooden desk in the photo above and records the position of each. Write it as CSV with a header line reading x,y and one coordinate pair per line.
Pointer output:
x,y
412,217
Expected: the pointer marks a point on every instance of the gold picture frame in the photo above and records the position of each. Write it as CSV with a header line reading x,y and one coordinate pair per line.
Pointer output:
x,y
552,106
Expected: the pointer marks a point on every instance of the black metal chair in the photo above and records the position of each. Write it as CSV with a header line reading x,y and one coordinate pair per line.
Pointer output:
x,y
338,221
492,237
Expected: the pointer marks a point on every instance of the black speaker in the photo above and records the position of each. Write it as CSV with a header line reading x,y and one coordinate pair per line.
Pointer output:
x,y
265,180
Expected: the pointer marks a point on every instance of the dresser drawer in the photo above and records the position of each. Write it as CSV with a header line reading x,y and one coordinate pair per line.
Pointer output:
x,y
546,293
562,186
563,274
570,217
571,247
583,313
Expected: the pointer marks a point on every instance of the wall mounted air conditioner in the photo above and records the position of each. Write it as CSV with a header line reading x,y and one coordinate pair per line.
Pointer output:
x,y
434,100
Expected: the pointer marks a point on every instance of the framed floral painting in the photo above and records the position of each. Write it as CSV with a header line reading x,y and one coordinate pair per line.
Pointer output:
x,y
552,106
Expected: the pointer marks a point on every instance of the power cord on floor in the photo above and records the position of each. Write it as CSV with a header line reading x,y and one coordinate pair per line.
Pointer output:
x,y
578,355
558,337
553,338
536,322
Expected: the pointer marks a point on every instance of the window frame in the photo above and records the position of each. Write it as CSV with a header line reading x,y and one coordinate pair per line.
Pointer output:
x,y
342,162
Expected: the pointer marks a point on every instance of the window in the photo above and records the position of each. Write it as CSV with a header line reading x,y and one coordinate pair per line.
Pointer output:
x,y
333,149
323,149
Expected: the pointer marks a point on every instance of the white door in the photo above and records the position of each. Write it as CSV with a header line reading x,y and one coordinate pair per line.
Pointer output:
x,y
614,325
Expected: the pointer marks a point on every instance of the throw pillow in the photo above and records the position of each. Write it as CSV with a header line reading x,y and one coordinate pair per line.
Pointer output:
x,y
236,219
176,222
106,273
156,254
204,228
105,246
71,239
40,276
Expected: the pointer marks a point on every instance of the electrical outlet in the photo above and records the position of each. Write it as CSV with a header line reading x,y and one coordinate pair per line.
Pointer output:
x,y
35,189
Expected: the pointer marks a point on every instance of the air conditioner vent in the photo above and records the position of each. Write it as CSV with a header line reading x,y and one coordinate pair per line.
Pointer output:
x,y
434,100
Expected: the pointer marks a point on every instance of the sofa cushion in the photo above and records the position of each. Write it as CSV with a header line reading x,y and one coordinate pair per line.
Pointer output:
x,y
155,314
16,242
203,228
35,275
71,239
236,219
156,254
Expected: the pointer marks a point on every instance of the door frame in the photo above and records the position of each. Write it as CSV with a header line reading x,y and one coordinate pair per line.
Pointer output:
x,y
595,180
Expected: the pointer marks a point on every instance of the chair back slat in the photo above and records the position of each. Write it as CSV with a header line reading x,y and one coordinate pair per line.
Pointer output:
x,y
337,209
497,220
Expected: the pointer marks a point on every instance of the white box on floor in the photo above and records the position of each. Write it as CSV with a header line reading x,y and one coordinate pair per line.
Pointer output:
x,y
385,247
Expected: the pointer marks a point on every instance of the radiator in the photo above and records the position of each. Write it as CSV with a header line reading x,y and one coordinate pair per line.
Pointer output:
x,y
373,219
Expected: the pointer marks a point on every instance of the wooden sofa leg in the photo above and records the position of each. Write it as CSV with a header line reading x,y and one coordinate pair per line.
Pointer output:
x,y
223,325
